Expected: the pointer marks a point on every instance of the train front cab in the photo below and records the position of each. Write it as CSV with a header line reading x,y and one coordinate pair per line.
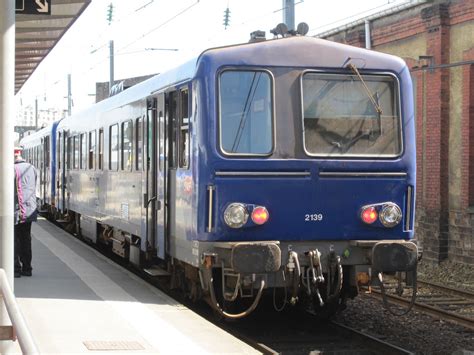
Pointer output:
x,y
312,181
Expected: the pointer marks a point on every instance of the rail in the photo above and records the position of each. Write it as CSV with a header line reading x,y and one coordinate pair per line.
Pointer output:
x,y
428,309
18,330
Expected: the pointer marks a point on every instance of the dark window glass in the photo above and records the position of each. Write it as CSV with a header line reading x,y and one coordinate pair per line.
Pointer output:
x,y
246,112
173,114
127,132
139,144
69,153
83,151
91,149
113,147
47,152
184,131
76,152
101,149
340,119
58,150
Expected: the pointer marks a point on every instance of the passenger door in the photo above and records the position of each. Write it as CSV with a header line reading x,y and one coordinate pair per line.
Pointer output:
x,y
150,194
161,176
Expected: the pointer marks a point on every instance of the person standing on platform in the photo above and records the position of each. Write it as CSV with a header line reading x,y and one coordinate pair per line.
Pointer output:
x,y
25,213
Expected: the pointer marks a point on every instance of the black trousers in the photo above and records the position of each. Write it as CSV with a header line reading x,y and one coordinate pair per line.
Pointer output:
x,y
23,247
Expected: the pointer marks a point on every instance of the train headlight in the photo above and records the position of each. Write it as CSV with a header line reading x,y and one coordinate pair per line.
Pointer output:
x,y
236,215
390,215
260,215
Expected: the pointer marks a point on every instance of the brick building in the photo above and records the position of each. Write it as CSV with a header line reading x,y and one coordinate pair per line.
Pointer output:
x,y
436,39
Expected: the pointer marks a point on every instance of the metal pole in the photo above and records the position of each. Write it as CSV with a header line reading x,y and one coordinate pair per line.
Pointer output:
x,y
289,14
111,81
26,341
69,95
7,90
7,79
36,113
368,40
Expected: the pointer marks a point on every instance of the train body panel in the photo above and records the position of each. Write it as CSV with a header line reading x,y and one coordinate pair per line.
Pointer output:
x,y
288,157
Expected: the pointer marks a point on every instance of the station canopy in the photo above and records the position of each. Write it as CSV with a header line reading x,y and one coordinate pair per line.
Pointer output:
x,y
36,35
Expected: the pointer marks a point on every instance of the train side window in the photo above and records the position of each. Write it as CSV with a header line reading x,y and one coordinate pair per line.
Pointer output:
x,y
246,112
76,152
139,144
69,153
100,159
173,115
83,151
46,152
113,147
41,158
92,137
183,139
58,150
127,136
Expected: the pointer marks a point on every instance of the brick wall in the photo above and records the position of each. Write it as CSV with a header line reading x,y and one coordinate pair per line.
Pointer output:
x,y
437,34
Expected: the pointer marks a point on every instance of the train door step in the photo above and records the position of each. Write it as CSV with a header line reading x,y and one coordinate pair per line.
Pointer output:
x,y
61,221
156,271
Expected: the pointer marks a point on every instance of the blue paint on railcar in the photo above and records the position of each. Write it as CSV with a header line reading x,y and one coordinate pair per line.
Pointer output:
x,y
290,200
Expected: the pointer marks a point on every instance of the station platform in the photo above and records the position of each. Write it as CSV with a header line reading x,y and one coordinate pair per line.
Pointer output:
x,y
78,302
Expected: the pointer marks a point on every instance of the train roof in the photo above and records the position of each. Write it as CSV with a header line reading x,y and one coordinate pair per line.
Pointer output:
x,y
307,52
292,51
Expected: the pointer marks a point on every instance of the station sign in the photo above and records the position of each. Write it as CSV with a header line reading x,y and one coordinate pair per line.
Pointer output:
x,y
33,7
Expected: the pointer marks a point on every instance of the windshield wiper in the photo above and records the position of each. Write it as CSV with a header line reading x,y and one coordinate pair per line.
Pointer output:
x,y
245,111
369,93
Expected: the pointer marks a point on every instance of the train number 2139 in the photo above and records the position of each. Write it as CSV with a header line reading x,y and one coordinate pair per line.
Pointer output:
x,y
315,217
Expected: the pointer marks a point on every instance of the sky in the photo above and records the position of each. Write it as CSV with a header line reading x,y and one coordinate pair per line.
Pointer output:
x,y
151,36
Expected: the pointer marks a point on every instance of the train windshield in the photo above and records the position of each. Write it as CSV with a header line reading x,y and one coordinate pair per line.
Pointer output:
x,y
246,112
350,116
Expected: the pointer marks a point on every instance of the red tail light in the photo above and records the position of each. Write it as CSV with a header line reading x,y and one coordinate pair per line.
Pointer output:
x,y
369,215
260,215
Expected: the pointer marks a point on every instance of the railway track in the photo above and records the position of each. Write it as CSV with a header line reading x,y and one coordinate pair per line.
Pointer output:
x,y
270,332
298,332
442,302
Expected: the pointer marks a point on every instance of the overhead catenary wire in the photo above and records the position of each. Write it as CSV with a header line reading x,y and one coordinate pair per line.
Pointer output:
x,y
356,16
146,5
119,52
160,25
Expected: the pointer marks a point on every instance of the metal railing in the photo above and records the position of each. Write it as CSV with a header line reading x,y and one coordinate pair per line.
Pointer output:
x,y
18,330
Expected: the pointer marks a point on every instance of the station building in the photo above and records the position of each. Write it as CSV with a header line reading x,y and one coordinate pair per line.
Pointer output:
x,y
436,39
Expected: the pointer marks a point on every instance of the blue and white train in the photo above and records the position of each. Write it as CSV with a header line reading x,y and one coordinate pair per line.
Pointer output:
x,y
285,164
